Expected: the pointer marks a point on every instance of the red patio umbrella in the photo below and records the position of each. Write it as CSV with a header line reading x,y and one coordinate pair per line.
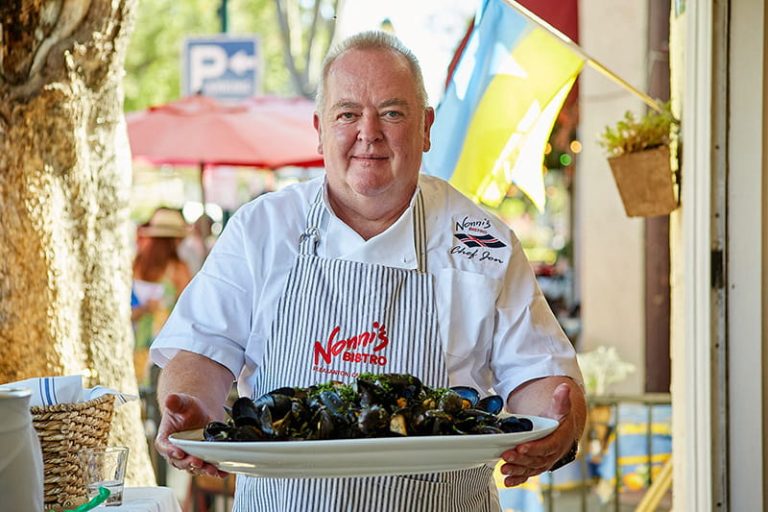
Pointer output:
x,y
268,132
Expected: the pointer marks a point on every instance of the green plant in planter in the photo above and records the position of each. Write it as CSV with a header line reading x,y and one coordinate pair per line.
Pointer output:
x,y
639,157
632,134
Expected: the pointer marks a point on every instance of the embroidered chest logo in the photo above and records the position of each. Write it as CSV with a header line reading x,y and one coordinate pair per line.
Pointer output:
x,y
365,347
473,235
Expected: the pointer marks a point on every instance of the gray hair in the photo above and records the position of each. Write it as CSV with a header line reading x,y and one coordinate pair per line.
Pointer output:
x,y
371,40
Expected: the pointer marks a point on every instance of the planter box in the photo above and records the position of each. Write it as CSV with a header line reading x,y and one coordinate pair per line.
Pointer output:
x,y
645,182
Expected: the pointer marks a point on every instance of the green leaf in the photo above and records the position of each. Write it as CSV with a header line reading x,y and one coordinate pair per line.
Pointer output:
x,y
630,134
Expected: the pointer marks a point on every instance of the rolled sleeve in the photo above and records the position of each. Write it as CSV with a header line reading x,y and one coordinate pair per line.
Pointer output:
x,y
533,347
528,340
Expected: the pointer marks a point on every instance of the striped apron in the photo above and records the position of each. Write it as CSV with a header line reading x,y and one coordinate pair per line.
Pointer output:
x,y
335,320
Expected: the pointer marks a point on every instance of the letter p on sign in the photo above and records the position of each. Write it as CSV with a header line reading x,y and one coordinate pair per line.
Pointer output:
x,y
206,61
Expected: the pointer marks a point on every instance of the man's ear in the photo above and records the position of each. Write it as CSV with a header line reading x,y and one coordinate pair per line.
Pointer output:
x,y
316,124
429,119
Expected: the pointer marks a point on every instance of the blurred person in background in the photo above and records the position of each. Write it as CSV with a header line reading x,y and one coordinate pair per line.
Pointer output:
x,y
195,247
159,276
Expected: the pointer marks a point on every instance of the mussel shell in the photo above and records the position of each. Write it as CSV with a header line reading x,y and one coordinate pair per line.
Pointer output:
x,y
486,429
400,385
286,390
471,420
373,420
216,431
451,402
476,415
492,404
515,424
279,403
246,433
469,394
300,412
295,424
436,422
378,405
370,393
332,401
324,425
245,412
265,423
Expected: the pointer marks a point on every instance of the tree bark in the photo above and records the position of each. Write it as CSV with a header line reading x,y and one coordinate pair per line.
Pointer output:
x,y
65,176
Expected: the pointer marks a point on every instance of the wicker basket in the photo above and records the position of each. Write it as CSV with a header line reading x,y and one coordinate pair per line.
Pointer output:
x,y
63,430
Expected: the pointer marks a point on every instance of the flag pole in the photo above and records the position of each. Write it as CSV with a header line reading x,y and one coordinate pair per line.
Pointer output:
x,y
598,66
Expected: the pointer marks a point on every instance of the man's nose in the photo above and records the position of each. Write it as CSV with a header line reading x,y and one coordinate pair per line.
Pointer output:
x,y
370,129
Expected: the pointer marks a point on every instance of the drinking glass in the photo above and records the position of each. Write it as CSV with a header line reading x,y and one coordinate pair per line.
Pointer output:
x,y
105,467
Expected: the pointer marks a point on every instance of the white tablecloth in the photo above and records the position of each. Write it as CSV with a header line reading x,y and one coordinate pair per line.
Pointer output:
x,y
146,499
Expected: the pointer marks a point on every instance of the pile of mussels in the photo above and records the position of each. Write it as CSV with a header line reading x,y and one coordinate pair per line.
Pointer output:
x,y
386,405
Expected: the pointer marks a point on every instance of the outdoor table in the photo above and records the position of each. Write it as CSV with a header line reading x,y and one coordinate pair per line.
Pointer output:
x,y
146,499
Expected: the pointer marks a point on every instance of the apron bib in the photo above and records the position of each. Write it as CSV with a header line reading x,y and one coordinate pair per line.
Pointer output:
x,y
335,320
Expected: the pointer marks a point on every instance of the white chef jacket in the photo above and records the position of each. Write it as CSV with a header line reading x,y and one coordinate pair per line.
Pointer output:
x,y
496,327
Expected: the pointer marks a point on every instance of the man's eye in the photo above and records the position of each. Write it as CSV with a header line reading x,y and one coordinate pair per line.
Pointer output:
x,y
393,114
346,116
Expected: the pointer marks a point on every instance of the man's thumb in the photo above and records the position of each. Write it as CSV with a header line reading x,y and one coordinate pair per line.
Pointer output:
x,y
560,406
176,403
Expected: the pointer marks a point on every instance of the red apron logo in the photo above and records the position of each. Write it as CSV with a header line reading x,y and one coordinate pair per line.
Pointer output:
x,y
354,348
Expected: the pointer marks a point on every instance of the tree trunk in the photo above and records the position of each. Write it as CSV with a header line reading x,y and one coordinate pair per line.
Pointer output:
x,y
301,43
65,176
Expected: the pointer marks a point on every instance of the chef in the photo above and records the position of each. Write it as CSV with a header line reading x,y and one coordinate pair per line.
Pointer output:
x,y
372,268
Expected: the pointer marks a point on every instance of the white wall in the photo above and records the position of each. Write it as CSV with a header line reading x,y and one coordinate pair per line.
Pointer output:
x,y
746,263
610,245
692,234
700,481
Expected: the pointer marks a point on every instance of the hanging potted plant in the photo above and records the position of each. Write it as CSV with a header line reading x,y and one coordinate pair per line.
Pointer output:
x,y
638,153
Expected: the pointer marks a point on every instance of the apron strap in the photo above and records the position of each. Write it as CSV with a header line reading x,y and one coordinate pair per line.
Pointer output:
x,y
420,232
311,235
308,240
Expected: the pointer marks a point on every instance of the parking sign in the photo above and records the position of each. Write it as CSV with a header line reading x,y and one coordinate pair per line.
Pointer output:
x,y
222,67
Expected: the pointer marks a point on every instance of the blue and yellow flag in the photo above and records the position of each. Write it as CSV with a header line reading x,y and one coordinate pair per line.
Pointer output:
x,y
493,124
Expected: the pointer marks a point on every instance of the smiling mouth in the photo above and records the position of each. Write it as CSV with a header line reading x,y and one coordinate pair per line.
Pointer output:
x,y
369,157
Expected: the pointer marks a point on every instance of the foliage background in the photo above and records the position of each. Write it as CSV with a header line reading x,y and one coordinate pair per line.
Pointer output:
x,y
153,64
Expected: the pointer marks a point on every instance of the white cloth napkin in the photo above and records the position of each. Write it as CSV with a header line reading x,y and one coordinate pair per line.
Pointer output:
x,y
65,390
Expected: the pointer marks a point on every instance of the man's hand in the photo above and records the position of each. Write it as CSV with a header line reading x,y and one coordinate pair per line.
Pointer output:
x,y
530,459
182,412
188,402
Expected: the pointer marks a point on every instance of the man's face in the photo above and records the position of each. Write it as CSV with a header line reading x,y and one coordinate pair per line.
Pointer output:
x,y
372,129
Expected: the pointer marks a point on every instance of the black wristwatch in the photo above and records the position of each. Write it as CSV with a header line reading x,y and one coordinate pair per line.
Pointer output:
x,y
567,458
